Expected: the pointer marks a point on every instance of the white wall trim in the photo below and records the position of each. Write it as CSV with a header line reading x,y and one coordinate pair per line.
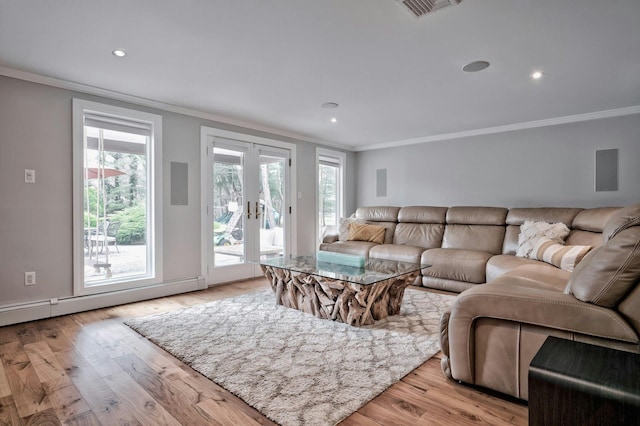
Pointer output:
x,y
507,128
111,94
14,314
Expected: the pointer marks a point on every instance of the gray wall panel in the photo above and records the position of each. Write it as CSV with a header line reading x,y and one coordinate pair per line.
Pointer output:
x,y
548,166
36,219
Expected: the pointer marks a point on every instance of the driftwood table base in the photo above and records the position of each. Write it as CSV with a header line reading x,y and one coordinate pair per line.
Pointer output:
x,y
337,300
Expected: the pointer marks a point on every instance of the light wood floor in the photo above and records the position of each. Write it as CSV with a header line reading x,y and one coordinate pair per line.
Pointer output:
x,y
90,369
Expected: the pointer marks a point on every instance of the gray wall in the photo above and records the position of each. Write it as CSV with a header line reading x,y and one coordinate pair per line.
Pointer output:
x,y
547,166
36,219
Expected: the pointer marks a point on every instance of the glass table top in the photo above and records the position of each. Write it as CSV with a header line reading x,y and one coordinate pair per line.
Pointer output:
x,y
374,270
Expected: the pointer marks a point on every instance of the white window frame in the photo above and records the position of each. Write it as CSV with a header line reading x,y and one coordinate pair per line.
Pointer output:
x,y
154,197
341,158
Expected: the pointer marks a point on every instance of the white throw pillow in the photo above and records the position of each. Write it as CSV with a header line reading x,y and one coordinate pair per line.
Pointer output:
x,y
531,232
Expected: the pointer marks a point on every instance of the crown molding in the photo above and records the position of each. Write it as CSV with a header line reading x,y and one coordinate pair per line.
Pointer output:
x,y
150,103
507,128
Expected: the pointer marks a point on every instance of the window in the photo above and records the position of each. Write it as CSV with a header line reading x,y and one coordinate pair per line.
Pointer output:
x,y
117,198
330,190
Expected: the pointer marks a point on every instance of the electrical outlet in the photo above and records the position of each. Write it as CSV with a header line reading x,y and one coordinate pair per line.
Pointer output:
x,y
29,278
29,176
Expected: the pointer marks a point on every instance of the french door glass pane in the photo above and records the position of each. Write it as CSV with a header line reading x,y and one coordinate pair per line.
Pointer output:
x,y
115,191
272,205
328,187
228,207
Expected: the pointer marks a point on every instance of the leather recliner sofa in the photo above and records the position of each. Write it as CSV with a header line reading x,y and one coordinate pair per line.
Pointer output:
x,y
492,331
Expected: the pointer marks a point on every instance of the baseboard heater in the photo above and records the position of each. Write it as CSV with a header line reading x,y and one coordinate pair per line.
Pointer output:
x,y
14,314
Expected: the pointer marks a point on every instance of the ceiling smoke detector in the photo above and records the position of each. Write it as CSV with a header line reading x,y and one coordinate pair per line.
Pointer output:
x,y
421,7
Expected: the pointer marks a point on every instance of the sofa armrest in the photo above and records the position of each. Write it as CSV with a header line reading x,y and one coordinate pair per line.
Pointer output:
x,y
518,301
330,235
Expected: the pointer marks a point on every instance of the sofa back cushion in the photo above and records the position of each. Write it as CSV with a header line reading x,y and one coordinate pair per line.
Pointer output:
x,y
474,237
475,228
477,215
422,214
378,214
588,225
610,272
517,216
419,235
420,226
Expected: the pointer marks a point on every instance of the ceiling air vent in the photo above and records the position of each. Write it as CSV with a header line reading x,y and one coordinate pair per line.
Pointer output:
x,y
422,7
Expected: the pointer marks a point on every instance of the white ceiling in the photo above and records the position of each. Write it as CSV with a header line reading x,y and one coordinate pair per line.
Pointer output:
x,y
397,78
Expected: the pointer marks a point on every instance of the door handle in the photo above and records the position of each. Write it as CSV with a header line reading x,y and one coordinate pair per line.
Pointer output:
x,y
257,210
248,209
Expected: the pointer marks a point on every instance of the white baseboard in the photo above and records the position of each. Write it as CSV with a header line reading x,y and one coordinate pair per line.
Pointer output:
x,y
15,314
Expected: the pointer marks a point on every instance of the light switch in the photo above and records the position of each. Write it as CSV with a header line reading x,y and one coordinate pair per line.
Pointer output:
x,y
29,176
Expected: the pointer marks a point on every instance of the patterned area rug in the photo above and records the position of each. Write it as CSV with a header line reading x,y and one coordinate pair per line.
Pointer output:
x,y
294,368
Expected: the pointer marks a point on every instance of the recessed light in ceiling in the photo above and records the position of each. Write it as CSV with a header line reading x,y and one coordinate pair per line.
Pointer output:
x,y
537,75
334,120
330,105
119,53
475,66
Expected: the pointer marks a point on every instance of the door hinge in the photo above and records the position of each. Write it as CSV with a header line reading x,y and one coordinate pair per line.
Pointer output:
x,y
289,209
289,162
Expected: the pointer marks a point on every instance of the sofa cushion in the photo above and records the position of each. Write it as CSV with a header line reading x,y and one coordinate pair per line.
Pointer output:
x,y
561,256
540,275
445,284
425,235
401,253
593,220
378,214
364,232
517,216
422,214
474,237
504,263
578,237
477,215
359,248
608,273
456,264
621,220
531,232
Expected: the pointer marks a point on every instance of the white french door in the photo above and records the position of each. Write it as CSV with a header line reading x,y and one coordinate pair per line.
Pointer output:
x,y
248,204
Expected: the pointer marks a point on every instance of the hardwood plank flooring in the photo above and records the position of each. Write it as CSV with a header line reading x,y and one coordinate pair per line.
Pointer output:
x,y
91,369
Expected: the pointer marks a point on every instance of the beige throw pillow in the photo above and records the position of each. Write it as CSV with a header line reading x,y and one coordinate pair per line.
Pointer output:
x,y
364,232
558,255
531,232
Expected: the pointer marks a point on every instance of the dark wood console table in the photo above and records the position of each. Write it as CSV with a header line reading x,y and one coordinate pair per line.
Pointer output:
x,y
573,383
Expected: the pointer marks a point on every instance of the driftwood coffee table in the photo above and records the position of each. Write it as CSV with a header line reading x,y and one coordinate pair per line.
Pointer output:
x,y
355,296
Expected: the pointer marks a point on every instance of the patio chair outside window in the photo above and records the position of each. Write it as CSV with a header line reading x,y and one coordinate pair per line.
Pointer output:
x,y
109,237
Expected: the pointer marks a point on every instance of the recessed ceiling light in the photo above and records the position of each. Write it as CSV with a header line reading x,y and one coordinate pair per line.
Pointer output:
x,y
334,120
537,75
475,66
330,105
119,53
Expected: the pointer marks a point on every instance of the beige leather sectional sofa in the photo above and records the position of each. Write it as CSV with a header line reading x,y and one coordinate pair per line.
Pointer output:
x,y
493,330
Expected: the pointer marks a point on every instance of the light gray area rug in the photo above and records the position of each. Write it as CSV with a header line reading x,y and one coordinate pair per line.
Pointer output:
x,y
294,368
